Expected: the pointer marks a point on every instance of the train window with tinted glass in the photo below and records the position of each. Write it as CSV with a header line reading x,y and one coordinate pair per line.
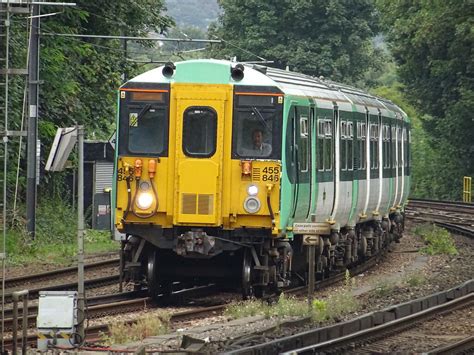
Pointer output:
x,y
303,151
350,150
147,130
343,146
199,132
328,154
320,145
254,132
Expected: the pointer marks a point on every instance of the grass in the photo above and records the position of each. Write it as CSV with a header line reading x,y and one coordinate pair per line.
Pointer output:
x,y
56,237
149,325
415,280
438,240
331,308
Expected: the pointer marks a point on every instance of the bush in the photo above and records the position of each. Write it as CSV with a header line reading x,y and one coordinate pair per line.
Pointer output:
x,y
149,325
56,236
333,307
437,240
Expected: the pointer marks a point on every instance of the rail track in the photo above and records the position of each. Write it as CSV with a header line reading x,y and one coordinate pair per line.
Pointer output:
x,y
99,306
123,303
456,217
21,281
88,284
360,334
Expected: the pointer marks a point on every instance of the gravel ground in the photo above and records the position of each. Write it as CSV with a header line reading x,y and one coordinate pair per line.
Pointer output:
x,y
402,275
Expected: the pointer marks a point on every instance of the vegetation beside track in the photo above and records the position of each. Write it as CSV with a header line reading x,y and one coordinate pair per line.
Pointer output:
x,y
333,307
56,235
437,240
150,325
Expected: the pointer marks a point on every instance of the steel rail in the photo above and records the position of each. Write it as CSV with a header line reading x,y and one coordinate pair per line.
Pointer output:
x,y
93,332
377,331
90,283
440,202
335,338
20,280
464,346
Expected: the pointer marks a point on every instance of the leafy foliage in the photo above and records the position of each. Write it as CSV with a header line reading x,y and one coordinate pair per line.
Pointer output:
x,y
432,44
437,240
329,38
79,76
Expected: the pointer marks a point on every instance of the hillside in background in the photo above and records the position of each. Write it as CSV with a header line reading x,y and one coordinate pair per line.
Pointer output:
x,y
196,13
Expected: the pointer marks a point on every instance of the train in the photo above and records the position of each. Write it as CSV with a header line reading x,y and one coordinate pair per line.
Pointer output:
x,y
229,172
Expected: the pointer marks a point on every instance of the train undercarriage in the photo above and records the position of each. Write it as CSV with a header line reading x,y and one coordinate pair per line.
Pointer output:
x,y
250,260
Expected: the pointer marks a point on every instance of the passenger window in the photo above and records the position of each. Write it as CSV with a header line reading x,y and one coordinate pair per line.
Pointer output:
x,y
343,146
350,150
320,145
328,154
303,151
199,132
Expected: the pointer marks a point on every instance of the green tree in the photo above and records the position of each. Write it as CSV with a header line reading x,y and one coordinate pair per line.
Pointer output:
x,y
79,76
432,43
316,37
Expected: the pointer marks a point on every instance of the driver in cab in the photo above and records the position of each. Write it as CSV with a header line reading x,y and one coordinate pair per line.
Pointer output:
x,y
259,148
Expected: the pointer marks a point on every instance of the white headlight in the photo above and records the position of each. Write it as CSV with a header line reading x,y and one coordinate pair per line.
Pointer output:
x,y
252,190
252,204
144,200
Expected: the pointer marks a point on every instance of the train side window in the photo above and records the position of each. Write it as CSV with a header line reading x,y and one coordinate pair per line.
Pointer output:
x,y
303,151
199,132
394,142
363,146
343,146
399,140
405,147
328,153
350,148
320,145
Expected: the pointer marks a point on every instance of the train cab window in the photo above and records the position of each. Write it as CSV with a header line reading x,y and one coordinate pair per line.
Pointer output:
x,y
147,129
199,132
256,129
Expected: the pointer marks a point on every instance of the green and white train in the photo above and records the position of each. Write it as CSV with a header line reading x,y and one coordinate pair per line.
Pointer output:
x,y
228,171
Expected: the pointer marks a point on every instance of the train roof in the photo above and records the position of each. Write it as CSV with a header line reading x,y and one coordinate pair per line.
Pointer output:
x,y
212,71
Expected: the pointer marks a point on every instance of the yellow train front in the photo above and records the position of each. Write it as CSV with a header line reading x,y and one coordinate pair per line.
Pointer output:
x,y
198,171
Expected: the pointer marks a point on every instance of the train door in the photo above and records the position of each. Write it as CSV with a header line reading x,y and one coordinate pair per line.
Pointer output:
x,y
324,168
200,117
344,155
302,132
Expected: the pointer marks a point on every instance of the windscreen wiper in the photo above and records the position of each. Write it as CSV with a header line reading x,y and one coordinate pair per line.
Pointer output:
x,y
257,112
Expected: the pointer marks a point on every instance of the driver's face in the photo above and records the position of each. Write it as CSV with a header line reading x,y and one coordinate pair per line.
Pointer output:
x,y
257,138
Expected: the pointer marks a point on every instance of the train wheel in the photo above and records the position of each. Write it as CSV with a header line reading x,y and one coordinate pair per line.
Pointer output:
x,y
156,286
152,274
247,280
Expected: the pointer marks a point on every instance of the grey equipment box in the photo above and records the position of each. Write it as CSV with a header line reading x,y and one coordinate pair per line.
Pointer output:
x,y
57,319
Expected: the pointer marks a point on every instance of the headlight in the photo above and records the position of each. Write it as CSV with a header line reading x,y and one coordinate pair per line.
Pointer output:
x,y
144,200
252,204
252,190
